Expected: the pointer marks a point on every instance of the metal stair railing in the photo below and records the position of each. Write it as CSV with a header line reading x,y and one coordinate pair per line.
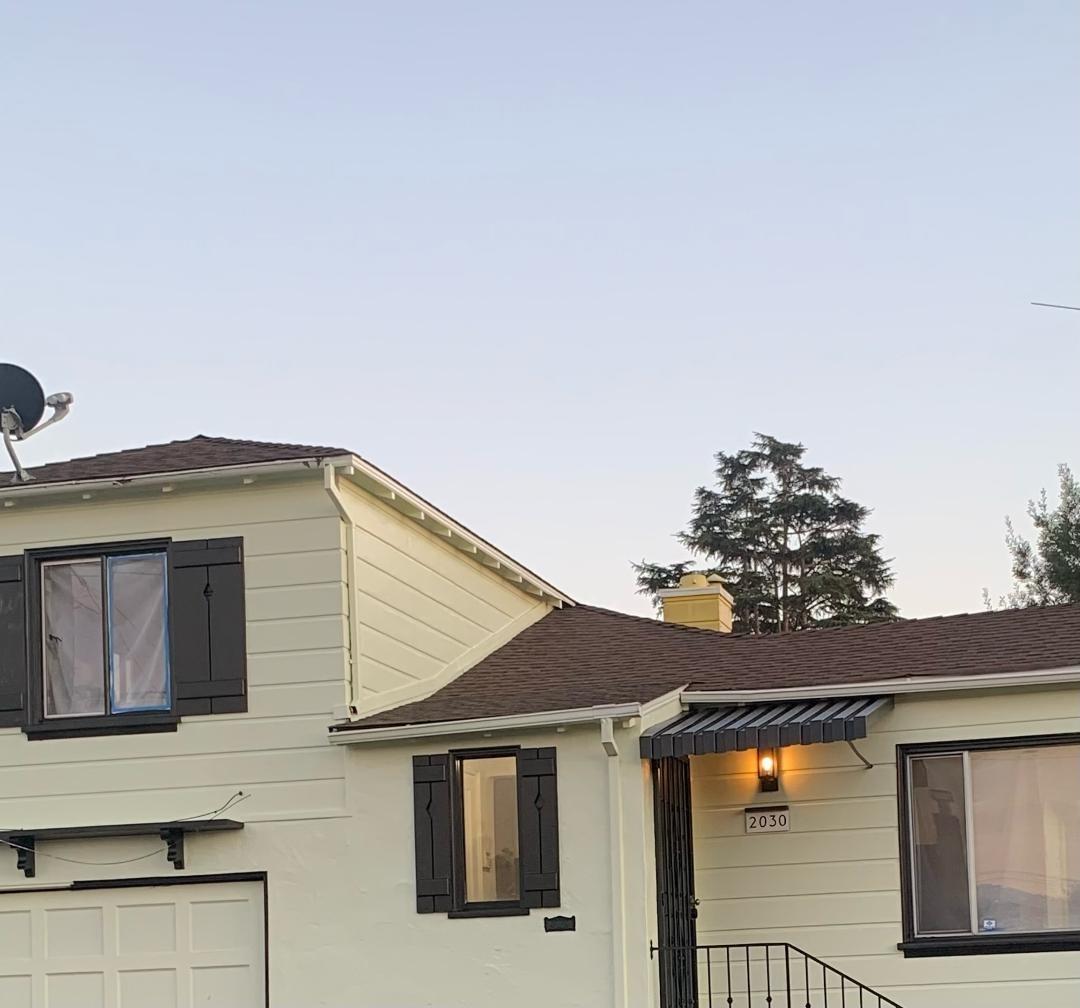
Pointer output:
x,y
764,975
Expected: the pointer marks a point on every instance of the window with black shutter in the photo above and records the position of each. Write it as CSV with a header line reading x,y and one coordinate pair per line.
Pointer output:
x,y
121,637
487,831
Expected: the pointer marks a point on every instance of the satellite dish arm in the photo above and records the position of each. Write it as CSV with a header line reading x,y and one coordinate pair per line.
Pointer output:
x,y
60,403
11,422
21,475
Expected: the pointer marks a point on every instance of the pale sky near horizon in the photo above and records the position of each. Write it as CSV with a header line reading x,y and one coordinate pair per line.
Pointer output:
x,y
541,260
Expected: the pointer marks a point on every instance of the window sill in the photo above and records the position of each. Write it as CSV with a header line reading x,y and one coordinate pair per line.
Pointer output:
x,y
110,725
494,911
999,944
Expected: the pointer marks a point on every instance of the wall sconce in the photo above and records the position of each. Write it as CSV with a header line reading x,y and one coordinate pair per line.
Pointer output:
x,y
768,769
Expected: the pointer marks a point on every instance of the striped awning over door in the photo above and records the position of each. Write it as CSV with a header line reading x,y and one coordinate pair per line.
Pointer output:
x,y
703,730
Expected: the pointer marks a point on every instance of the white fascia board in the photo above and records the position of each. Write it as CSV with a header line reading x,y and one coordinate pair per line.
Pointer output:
x,y
907,684
510,722
17,492
394,494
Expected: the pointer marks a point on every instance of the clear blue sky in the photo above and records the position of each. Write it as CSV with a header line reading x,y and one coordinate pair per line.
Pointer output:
x,y
541,260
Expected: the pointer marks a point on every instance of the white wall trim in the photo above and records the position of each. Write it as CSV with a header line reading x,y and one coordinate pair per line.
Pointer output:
x,y
907,684
344,735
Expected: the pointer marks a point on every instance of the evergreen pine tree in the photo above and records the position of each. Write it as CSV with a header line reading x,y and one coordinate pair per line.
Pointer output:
x,y
1048,572
790,549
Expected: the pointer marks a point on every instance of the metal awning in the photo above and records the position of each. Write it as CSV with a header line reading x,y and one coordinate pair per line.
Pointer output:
x,y
703,730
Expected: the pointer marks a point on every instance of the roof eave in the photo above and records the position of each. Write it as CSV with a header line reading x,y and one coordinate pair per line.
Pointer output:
x,y
905,684
361,472
349,734
12,493
399,497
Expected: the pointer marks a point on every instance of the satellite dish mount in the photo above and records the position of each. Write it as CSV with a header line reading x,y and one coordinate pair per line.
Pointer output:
x,y
22,405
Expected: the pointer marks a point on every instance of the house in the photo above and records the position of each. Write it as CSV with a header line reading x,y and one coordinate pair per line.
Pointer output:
x,y
275,730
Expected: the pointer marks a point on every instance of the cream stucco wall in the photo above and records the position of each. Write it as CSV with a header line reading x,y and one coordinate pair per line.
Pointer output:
x,y
832,884
298,827
413,959
426,610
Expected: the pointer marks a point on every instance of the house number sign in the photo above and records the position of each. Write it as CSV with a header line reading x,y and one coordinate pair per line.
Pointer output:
x,y
768,819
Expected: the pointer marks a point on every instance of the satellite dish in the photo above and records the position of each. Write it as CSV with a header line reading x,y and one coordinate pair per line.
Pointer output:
x,y
22,405
21,391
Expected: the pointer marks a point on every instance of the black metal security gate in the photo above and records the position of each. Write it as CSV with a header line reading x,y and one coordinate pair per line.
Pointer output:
x,y
676,906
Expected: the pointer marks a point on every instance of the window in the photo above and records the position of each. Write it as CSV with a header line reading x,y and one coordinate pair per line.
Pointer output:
x,y
487,832
104,625
994,845
490,859
122,637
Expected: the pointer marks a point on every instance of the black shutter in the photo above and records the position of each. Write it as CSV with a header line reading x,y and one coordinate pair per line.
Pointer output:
x,y
431,818
206,608
12,642
538,824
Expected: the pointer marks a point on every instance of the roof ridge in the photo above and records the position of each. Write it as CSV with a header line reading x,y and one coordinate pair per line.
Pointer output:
x,y
816,630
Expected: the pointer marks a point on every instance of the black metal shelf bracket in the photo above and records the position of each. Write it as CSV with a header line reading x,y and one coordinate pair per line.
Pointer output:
x,y
25,855
174,847
24,842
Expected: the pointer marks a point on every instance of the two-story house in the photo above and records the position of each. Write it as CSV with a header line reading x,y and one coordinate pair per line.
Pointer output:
x,y
274,730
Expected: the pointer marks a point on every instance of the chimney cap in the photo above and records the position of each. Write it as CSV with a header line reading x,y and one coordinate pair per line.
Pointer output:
x,y
693,581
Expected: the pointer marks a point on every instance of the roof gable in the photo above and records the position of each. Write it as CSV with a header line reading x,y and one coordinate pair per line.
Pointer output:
x,y
202,458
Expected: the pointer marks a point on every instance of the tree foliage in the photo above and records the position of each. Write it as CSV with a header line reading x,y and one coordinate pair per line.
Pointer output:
x,y
1047,571
789,548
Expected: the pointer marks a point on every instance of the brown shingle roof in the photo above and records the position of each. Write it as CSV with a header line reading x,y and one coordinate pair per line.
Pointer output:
x,y
199,452
584,657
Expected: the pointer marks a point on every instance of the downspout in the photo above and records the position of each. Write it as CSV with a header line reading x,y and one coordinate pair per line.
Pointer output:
x,y
618,863
353,617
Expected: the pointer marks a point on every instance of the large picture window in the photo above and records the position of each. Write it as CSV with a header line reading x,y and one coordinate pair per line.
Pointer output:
x,y
994,840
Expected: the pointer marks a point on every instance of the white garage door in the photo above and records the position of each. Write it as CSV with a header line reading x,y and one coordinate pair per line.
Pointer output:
x,y
176,946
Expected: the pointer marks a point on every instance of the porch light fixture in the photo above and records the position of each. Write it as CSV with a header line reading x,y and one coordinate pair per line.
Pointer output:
x,y
768,769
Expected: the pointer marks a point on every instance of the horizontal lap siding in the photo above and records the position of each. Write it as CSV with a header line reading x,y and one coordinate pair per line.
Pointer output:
x,y
276,752
832,884
423,604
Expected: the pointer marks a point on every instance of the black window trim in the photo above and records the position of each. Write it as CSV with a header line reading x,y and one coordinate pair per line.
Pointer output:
x,y
37,726
460,907
922,946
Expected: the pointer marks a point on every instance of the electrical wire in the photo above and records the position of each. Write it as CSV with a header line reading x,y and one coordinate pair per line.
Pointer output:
x,y
235,800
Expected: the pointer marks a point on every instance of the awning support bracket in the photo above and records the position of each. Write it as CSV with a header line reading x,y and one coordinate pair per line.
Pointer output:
x,y
865,762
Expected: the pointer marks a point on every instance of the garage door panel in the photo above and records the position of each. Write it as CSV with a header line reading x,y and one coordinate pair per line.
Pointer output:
x,y
221,925
15,934
165,946
75,931
222,986
142,988
75,990
17,991
144,929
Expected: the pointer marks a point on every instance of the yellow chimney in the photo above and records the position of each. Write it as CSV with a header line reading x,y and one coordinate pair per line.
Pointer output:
x,y
699,601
